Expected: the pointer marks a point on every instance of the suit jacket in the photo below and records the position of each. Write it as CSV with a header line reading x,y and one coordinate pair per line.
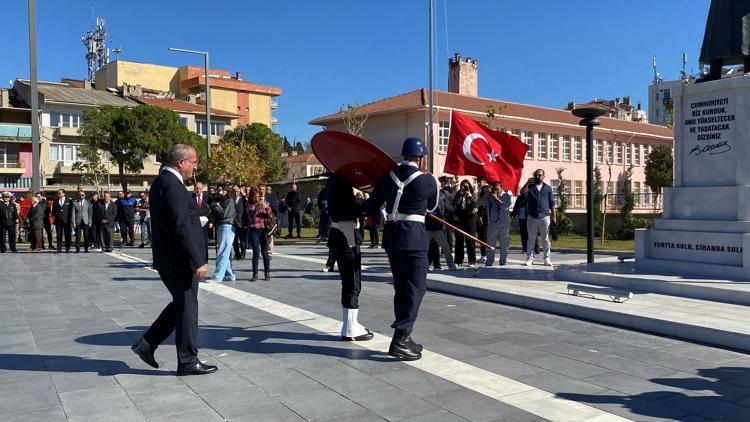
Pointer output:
x,y
82,212
178,242
204,210
63,214
36,216
108,213
8,214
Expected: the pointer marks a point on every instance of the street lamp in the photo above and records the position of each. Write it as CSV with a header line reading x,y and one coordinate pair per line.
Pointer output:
x,y
208,98
589,119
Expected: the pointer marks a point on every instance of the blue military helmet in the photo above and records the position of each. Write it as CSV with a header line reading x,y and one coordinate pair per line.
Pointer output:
x,y
414,147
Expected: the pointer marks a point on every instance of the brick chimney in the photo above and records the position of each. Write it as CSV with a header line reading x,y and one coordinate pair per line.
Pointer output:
x,y
462,75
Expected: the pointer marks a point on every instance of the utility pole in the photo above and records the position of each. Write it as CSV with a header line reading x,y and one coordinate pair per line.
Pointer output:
x,y
35,182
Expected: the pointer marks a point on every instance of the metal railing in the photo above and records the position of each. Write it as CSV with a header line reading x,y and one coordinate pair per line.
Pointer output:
x,y
12,164
614,201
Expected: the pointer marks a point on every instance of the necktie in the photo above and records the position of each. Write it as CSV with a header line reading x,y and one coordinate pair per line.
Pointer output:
x,y
199,201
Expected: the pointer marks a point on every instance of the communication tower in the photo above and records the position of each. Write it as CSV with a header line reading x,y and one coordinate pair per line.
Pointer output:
x,y
97,54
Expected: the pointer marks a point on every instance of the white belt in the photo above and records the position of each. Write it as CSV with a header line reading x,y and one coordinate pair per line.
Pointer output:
x,y
406,217
347,228
339,225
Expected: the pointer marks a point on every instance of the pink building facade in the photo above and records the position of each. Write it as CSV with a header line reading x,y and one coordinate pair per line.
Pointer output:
x,y
554,137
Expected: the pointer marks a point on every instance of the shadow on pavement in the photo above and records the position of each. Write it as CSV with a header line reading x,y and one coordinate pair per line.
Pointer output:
x,y
680,406
62,363
249,340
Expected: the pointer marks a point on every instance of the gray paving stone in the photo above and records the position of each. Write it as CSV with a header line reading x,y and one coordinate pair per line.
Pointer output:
x,y
166,402
439,416
707,407
117,414
569,367
20,401
49,414
200,415
635,407
93,401
476,407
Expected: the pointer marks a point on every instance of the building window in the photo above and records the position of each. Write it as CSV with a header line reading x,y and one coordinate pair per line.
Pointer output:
x,y
9,156
598,150
646,194
184,121
58,119
553,147
578,191
610,155
628,153
618,152
64,152
566,147
541,146
528,139
217,128
637,192
637,154
443,131
577,148
54,119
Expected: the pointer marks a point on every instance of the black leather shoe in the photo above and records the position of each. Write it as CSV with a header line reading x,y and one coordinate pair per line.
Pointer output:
x,y
198,368
255,277
267,276
364,337
145,352
404,348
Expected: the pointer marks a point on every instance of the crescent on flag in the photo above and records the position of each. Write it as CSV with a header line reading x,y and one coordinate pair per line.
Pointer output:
x,y
467,147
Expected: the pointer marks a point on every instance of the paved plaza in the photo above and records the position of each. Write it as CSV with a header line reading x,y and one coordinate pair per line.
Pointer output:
x,y
68,321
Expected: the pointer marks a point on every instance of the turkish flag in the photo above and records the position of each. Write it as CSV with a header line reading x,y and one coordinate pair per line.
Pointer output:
x,y
476,150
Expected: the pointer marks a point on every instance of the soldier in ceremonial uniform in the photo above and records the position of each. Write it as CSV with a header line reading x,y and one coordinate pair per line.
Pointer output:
x,y
344,240
408,194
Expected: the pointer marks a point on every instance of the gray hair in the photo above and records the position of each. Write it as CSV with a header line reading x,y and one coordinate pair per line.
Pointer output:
x,y
176,153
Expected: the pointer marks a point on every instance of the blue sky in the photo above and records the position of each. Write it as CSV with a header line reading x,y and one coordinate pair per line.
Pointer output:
x,y
327,53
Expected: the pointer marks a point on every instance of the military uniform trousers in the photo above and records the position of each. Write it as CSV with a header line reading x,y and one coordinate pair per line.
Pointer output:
x,y
180,316
11,231
409,270
350,267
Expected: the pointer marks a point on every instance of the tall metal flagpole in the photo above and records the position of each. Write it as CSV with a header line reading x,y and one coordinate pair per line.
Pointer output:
x,y
429,127
35,182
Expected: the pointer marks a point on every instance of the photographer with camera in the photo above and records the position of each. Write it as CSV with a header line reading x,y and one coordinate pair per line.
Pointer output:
x,y
222,215
497,204
465,214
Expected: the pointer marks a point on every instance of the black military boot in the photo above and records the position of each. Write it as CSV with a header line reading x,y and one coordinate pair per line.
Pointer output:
x,y
255,276
145,352
267,276
403,347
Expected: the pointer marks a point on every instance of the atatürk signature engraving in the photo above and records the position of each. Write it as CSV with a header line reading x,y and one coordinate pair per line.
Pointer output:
x,y
711,149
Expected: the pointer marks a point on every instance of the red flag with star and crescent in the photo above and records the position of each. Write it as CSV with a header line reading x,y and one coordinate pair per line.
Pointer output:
x,y
476,150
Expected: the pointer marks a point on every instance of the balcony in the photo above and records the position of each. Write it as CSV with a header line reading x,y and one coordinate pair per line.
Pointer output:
x,y
274,105
67,131
15,132
274,121
12,167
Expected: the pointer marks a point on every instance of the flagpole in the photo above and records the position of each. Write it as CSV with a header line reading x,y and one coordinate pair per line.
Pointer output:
x,y
429,127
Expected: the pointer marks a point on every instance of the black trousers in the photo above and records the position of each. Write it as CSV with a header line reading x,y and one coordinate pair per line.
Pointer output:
x,y
83,227
63,231
374,235
180,316
106,236
469,225
48,229
350,268
259,244
331,261
482,235
94,235
409,270
129,229
240,242
433,254
525,236
11,231
294,218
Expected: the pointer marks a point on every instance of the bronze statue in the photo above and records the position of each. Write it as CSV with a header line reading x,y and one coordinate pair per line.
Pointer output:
x,y
727,37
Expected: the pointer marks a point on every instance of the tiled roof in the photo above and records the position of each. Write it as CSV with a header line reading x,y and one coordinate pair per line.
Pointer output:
x,y
300,158
417,99
231,84
63,93
185,107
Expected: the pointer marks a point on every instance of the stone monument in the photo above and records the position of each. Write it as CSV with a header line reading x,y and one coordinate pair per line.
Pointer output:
x,y
705,227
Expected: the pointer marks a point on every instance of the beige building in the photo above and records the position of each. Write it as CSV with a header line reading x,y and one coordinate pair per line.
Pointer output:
x,y
299,166
554,136
253,103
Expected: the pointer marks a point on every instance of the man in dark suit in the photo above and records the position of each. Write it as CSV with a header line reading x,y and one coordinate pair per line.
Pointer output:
x,y
47,211
179,252
292,202
62,211
106,214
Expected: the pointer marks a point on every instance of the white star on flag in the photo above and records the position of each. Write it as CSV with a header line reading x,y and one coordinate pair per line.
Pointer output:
x,y
492,155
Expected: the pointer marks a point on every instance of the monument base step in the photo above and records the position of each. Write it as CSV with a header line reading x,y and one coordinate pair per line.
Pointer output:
x,y
695,269
717,226
626,276
716,323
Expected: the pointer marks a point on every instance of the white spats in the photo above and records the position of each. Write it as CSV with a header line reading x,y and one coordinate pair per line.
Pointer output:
x,y
351,327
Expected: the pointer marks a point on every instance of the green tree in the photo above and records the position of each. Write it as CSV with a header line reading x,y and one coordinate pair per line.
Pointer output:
x,y
598,201
287,146
658,170
628,203
91,168
564,225
269,146
236,164
299,147
130,135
